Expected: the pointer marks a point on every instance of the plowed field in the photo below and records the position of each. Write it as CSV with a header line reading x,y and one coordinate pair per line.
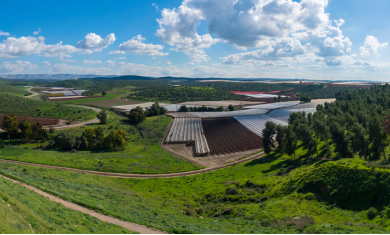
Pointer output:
x,y
227,135
43,121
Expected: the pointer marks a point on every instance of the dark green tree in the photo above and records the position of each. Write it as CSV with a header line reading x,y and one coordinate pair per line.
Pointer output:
x,y
268,136
136,115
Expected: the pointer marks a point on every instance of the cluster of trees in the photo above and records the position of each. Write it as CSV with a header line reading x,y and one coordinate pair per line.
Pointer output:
x,y
24,129
308,90
102,116
138,114
182,94
91,139
357,123
184,108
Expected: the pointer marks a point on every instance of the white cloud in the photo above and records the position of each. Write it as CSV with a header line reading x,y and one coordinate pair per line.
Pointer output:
x,y
37,32
371,44
47,64
117,52
64,68
14,47
339,22
110,62
137,47
94,43
2,33
92,62
169,62
365,66
70,61
19,66
122,58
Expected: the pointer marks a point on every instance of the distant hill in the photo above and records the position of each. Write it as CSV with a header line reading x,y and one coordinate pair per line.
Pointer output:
x,y
53,76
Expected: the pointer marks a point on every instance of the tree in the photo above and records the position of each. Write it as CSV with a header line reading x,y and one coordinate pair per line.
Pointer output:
x,y
104,93
268,136
25,129
280,136
136,115
89,136
305,134
279,98
305,99
231,107
102,116
183,108
10,125
290,142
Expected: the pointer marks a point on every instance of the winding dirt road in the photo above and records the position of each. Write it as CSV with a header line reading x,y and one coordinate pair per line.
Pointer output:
x,y
33,93
125,224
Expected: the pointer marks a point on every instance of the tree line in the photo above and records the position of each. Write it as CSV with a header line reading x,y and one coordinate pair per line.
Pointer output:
x,y
23,129
203,108
358,123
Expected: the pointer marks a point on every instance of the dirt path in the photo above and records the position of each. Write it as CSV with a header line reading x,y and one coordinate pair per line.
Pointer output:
x,y
95,120
34,93
127,225
138,176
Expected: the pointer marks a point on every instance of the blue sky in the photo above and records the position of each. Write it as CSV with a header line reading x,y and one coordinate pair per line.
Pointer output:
x,y
311,39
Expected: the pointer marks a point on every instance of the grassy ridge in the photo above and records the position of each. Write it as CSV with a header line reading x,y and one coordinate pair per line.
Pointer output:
x,y
21,106
21,207
143,153
266,192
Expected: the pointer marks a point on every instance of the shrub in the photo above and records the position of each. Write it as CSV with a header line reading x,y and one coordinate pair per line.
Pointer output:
x,y
51,129
232,190
371,213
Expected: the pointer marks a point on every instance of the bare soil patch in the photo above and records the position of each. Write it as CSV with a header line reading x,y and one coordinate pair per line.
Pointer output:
x,y
110,102
227,135
186,151
43,121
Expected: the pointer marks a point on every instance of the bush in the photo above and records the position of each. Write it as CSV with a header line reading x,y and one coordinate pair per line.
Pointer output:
x,y
102,116
232,190
371,213
51,129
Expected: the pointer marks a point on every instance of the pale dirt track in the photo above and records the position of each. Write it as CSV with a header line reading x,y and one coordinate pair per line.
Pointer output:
x,y
34,93
95,120
127,225
138,176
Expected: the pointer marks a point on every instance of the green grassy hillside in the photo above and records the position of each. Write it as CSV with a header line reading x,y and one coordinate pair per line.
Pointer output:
x,y
275,194
24,211
143,153
21,106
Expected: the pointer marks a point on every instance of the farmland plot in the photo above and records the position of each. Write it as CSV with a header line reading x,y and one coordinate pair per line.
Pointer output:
x,y
188,130
43,121
227,135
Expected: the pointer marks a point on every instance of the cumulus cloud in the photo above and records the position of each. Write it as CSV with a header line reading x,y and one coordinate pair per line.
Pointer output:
x,y
19,66
64,68
92,62
14,47
70,61
365,66
110,62
178,28
122,58
371,45
2,33
47,64
117,52
94,43
37,32
137,47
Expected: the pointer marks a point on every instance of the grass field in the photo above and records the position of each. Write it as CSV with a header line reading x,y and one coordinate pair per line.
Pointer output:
x,y
270,195
21,208
143,153
99,99
21,106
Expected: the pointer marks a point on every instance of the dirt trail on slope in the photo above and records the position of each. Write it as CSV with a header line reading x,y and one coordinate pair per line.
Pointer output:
x,y
33,93
138,176
127,225
95,120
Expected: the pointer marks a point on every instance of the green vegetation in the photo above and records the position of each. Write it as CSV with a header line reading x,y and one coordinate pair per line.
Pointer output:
x,y
184,108
276,194
20,106
12,90
142,153
181,94
309,90
24,211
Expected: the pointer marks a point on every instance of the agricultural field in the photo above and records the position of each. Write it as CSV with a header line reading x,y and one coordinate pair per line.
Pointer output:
x,y
24,211
43,121
252,197
110,102
142,153
12,90
20,106
227,135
